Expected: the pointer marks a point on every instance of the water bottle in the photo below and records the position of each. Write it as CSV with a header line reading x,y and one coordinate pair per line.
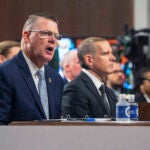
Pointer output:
x,y
133,107
122,109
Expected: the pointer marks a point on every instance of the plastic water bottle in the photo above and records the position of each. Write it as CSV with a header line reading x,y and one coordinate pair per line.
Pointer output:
x,y
122,109
133,107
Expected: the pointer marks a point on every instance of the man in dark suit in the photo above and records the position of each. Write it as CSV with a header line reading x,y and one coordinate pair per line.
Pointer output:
x,y
20,95
84,97
116,79
142,85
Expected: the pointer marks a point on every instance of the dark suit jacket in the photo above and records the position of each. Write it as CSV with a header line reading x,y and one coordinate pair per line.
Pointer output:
x,y
19,99
65,81
139,97
81,98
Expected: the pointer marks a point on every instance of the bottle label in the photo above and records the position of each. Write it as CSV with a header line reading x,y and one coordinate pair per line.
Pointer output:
x,y
134,112
123,112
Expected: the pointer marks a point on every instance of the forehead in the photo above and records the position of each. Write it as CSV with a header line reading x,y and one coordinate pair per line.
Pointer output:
x,y
117,66
103,45
147,74
43,23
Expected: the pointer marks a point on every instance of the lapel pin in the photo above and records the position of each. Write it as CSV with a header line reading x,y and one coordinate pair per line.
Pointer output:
x,y
49,80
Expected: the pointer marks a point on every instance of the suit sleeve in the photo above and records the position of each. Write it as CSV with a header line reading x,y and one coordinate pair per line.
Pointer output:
x,y
74,102
6,97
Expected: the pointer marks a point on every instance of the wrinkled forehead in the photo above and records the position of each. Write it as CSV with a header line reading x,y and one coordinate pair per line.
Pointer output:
x,y
147,74
44,23
103,46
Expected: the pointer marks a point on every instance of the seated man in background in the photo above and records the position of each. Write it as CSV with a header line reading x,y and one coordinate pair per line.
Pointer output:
x,y
87,96
8,49
115,80
70,66
142,85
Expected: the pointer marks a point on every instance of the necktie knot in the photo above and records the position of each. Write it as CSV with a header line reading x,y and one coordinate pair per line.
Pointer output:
x,y
102,88
40,74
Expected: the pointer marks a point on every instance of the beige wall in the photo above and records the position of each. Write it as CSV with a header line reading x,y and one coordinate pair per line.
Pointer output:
x,y
77,17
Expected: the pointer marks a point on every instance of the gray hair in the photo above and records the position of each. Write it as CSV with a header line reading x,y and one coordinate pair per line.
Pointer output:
x,y
87,47
32,20
67,58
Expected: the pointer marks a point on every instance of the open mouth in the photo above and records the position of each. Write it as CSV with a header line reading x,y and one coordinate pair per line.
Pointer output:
x,y
49,49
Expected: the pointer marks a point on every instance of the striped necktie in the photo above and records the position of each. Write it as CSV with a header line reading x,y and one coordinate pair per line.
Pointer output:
x,y
43,92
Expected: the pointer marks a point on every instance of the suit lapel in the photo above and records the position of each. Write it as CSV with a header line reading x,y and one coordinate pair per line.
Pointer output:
x,y
90,85
50,82
26,74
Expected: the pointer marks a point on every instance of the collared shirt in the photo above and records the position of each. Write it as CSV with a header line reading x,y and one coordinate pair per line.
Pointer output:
x,y
33,69
96,82
147,98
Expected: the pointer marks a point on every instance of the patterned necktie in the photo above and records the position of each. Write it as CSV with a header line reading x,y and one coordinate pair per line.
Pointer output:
x,y
43,92
102,89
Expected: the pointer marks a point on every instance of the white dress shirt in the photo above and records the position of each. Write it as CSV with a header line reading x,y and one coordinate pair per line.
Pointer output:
x,y
33,69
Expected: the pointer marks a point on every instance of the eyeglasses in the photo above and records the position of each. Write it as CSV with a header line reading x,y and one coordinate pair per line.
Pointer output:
x,y
146,79
47,34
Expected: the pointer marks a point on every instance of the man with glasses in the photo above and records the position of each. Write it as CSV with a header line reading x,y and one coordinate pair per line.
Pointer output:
x,y
29,88
142,85
116,79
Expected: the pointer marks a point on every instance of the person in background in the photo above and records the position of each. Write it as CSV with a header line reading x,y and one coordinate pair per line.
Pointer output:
x,y
87,95
29,88
8,49
142,85
70,66
116,79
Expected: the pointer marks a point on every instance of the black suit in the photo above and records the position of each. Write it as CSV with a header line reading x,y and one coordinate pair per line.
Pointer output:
x,y
140,98
81,98
65,81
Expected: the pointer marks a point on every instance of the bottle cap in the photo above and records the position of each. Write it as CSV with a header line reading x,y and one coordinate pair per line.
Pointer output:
x,y
131,97
122,96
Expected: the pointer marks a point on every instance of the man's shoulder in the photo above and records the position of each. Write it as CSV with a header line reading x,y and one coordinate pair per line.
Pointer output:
x,y
8,65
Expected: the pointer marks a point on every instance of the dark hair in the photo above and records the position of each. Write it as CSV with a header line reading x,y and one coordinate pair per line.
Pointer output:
x,y
87,47
5,47
34,17
140,76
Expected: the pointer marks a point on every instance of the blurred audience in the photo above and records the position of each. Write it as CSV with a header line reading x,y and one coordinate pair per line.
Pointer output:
x,y
70,66
116,79
142,85
8,49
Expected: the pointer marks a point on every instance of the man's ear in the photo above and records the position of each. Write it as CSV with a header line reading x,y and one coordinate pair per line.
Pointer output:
x,y
26,35
2,59
67,67
142,88
88,59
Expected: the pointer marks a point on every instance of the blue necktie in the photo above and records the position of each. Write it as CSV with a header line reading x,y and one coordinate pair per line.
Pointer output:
x,y
102,89
43,92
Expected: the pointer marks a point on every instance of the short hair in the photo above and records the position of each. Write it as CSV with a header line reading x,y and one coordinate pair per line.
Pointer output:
x,y
87,47
5,46
32,19
141,76
67,58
